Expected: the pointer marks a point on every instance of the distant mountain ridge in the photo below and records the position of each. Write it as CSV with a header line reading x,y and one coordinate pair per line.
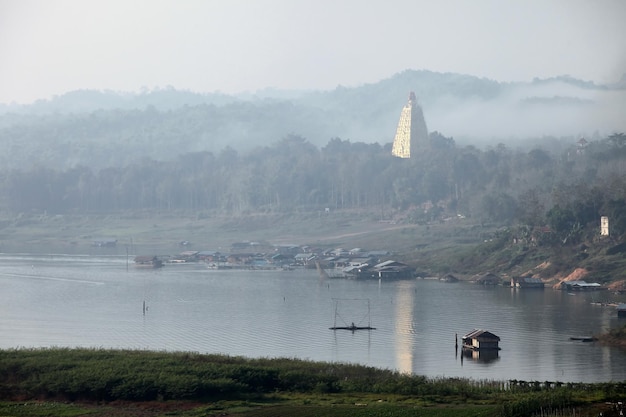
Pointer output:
x,y
429,86
103,128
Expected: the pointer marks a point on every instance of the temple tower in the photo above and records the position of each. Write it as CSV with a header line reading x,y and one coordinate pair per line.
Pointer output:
x,y
604,226
412,133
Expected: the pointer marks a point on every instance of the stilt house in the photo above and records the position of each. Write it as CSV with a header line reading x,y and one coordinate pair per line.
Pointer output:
x,y
479,339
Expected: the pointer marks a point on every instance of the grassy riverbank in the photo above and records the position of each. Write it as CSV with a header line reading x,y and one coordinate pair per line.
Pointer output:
x,y
72,382
161,233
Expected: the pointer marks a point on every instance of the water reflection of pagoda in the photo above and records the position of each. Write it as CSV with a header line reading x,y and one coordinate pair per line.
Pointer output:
x,y
404,302
411,133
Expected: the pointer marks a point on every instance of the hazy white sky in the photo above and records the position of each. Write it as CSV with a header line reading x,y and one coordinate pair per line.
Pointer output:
x,y
49,47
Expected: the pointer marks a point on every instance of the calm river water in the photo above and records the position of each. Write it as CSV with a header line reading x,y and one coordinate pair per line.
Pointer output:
x,y
74,301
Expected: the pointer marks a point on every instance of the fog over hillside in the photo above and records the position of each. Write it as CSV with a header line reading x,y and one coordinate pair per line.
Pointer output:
x,y
532,110
99,128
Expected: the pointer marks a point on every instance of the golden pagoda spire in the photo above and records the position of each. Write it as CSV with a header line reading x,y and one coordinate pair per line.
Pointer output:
x,y
411,132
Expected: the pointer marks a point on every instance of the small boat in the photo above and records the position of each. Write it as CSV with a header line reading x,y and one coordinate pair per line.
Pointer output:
x,y
583,338
353,327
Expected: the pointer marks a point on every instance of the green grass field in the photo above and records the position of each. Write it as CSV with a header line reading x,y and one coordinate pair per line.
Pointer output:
x,y
89,382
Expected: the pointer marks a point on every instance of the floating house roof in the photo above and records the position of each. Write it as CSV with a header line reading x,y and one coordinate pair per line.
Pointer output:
x,y
481,334
581,284
389,263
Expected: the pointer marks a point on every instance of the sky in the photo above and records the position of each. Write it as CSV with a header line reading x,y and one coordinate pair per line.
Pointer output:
x,y
49,47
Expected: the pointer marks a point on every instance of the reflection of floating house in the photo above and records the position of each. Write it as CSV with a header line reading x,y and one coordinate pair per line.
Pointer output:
x,y
581,286
621,310
148,262
479,339
527,282
482,356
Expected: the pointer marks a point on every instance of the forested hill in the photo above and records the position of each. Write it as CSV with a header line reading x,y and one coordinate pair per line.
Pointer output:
x,y
545,159
545,205
102,129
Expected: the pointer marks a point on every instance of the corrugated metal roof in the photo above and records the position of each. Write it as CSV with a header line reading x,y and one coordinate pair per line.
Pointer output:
x,y
476,333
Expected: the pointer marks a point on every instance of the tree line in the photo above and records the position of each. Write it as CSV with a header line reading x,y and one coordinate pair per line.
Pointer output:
x,y
565,190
